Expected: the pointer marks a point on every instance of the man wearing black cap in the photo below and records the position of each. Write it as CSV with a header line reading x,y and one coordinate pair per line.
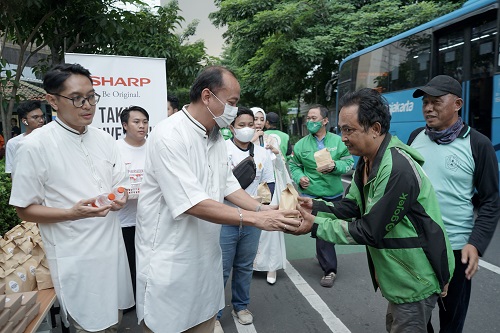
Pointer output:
x,y
272,121
459,161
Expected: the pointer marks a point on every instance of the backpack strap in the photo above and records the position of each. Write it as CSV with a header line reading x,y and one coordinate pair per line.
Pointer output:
x,y
251,149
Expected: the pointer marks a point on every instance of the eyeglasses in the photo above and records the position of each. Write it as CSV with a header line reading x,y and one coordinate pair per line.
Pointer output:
x,y
79,101
347,130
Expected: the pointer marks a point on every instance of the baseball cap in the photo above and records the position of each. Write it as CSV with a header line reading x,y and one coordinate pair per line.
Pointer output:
x,y
273,118
440,85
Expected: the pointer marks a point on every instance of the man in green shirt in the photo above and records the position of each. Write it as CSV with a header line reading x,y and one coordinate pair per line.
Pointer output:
x,y
326,185
283,139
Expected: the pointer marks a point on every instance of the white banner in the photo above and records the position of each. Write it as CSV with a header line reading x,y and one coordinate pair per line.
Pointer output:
x,y
122,82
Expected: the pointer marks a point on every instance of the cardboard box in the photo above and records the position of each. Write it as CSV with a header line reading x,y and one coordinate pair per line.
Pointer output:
x,y
17,316
2,288
21,327
4,317
29,299
7,328
2,303
33,312
13,302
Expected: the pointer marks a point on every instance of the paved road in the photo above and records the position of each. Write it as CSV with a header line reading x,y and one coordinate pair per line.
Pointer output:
x,y
297,303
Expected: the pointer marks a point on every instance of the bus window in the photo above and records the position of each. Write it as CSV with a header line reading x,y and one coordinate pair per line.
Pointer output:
x,y
410,61
482,70
346,78
373,70
450,57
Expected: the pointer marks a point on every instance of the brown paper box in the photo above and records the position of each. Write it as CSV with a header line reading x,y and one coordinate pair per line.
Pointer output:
x,y
13,302
33,312
8,328
17,316
29,299
2,303
4,317
21,326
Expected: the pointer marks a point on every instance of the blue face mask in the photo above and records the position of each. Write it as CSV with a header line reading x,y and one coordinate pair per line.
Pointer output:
x,y
314,126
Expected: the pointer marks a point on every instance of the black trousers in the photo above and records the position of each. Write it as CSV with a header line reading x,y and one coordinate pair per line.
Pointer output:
x,y
325,251
129,239
453,308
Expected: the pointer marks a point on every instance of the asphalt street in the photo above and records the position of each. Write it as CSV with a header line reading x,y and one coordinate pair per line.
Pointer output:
x,y
297,303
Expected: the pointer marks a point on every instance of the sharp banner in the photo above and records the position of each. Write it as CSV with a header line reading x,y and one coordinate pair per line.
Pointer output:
x,y
122,82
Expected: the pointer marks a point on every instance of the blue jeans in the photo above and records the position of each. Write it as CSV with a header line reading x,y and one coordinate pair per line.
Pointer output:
x,y
239,248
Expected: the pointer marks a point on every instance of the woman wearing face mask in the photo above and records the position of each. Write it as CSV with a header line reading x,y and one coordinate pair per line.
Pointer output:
x,y
239,244
271,254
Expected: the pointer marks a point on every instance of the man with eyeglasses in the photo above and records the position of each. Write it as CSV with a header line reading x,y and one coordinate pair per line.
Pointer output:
x,y
32,117
391,208
60,170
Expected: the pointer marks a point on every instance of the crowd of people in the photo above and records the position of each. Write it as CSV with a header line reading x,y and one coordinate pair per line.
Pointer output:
x,y
203,194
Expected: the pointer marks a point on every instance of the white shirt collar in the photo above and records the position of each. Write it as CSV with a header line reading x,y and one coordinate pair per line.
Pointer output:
x,y
72,130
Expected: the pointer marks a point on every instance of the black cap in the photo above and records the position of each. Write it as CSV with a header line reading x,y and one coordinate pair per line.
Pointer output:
x,y
273,118
440,85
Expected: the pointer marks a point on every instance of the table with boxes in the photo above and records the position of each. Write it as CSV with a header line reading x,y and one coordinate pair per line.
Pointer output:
x,y
26,290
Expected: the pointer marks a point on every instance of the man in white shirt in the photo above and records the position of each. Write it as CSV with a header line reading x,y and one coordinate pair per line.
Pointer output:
x,y
60,170
135,123
32,117
186,177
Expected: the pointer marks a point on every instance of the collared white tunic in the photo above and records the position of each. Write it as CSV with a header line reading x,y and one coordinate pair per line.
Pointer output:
x,y
179,260
10,152
56,167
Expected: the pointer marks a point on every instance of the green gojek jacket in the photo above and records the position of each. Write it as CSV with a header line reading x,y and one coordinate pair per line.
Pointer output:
x,y
303,164
396,215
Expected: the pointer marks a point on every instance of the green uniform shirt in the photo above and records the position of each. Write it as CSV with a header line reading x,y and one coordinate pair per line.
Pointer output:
x,y
303,164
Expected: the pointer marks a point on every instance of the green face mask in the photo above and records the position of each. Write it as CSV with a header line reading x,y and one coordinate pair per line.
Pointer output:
x,y
313,126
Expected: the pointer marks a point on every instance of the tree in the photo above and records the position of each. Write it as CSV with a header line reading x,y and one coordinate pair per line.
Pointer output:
x,y
149,34
290,49
35,24
99,27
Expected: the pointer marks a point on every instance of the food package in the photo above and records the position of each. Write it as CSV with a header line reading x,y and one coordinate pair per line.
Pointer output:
x,y
323,160
288,199
264,192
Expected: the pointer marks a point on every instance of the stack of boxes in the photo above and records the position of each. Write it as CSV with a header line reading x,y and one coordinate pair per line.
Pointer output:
x,y
17,310
23,271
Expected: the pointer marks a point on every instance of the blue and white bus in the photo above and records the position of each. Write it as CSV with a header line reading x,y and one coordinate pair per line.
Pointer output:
x,y
463,44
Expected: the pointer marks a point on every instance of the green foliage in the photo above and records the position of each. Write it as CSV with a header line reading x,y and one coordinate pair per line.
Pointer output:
x,y
283,49
152,34
8,216
102,27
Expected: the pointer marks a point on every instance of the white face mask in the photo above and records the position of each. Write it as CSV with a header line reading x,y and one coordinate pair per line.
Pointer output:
x,y
227,117
244,134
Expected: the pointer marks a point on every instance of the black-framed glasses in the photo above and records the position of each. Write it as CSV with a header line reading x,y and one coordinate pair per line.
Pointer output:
x,y
79,101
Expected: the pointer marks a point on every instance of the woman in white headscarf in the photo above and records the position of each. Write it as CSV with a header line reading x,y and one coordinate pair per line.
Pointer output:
x,y
271,254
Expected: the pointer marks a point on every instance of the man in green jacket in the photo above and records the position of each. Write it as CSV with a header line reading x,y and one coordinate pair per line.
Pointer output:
x,y
391,207
326,185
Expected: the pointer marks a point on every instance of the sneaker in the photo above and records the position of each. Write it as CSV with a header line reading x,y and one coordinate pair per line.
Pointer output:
x,y
327,280
271,277
245,317
218,327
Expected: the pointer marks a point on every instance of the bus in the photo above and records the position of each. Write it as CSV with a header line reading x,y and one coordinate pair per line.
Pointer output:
x,y
463,44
